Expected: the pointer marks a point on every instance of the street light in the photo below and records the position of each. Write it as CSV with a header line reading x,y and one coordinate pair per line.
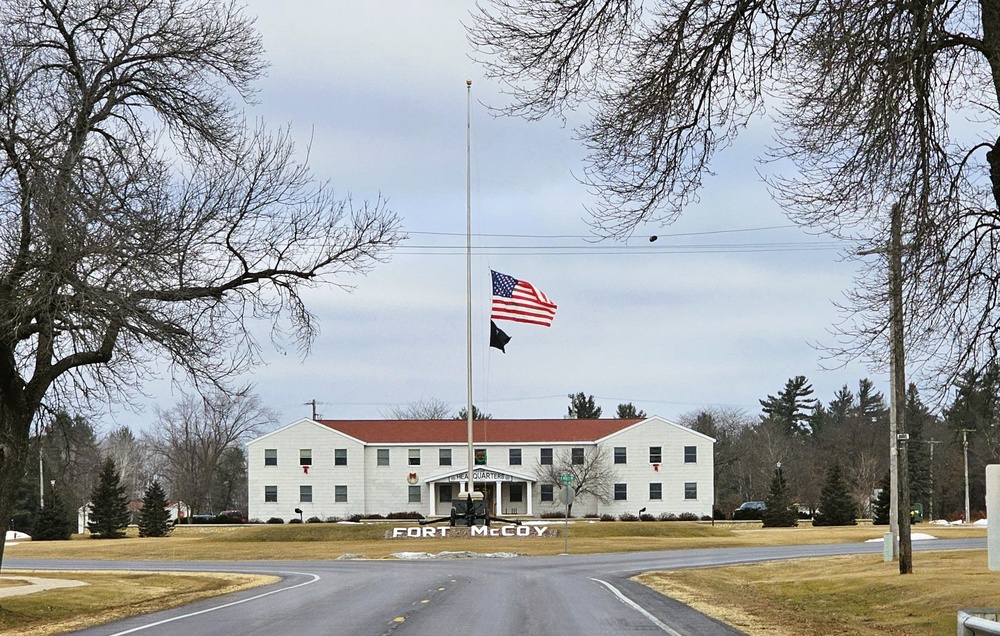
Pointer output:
x,y
641,510
298,511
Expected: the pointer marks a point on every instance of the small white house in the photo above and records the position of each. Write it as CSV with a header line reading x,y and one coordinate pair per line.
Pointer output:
x,y
339,468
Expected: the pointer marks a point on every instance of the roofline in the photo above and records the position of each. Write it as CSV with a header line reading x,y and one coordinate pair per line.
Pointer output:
x,y
659,419
303,421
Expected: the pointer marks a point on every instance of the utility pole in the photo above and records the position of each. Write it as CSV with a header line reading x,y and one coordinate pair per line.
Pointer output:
x,y
932,443
313,403
897,373
965,452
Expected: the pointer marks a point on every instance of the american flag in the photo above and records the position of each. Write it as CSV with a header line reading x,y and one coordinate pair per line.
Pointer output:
x,y
519,301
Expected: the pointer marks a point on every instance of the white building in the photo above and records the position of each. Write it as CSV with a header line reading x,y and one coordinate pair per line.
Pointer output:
x,y
339,468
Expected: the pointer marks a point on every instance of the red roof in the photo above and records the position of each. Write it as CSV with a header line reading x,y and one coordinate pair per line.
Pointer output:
x,y
484,431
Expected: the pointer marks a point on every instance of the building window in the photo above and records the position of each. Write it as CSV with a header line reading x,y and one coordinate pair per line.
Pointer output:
x,y
444,458
445,493
340,494
576,456
305,457
480,456
382,457
340,457
546,493
545,456
305,494
516,493
414,493
621,455
690,454
514,456
621,492
270,456
270,494
414,457
655,491
655,454
691,490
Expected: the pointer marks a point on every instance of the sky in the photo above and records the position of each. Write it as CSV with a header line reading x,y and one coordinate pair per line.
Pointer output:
x,y
376,93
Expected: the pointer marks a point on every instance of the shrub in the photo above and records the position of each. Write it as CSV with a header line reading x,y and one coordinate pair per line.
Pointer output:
x,y
688,516
404,515
275,520
591,515
667,516
294,520
627,516
332,519
314,520
707,518
607,517
355,518
646,517
553,515
255,520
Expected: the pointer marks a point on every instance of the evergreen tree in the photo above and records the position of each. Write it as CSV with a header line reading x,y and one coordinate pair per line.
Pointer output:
x,y
582,407
463,414
780,513
109,514
154,518
837,507
880,511
54,522
917,451
629,412
792,406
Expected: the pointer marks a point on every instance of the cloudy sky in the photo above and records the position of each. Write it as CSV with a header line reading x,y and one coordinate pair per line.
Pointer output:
x,y
728,304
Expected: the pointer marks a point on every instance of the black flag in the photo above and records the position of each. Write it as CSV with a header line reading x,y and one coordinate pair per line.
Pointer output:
x,y
498,339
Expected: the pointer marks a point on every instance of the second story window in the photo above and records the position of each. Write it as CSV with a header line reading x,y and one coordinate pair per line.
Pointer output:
x,y
576,456
690,454
514,457
621,455
545,456
305,457
340,457
444,457
382,457
270,456
414,457
655,454
480,456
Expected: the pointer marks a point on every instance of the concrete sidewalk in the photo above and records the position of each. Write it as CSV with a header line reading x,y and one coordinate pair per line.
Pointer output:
x,y
35,584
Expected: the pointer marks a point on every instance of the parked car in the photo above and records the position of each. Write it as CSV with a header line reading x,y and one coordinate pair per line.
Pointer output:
x,y
232,516
750,510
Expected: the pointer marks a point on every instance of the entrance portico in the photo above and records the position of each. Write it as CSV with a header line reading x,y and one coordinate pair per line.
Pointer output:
x,y
508,492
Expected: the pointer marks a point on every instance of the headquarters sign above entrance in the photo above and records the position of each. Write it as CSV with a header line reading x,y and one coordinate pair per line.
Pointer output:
x,y
481,474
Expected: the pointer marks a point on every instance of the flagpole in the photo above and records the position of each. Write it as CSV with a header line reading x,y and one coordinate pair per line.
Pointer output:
x,y
468,269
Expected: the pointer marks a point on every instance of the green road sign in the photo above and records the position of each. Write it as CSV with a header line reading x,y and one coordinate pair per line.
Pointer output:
x,y
567,478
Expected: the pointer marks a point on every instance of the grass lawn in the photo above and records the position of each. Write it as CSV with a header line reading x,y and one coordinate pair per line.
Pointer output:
x,y
843,595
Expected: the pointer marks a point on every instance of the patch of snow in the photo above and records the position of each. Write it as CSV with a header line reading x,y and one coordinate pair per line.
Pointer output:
x,y
916,536
940,522
981,522
14,535
452,555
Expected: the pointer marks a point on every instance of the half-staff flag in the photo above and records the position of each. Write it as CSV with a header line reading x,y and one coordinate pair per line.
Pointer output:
x,y
519,301
498,339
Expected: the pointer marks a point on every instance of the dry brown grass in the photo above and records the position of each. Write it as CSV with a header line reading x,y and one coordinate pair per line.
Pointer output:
x,y
848,595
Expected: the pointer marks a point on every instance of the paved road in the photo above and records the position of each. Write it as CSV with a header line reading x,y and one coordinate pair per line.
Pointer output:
x,y
552,596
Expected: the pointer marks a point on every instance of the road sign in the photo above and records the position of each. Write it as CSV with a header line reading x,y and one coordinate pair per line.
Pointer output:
x,y
566,495
567,478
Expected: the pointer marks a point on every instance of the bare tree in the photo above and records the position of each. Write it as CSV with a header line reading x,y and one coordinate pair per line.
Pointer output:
x,y
592,474
130,457
195,441
876,104
429,409
142,218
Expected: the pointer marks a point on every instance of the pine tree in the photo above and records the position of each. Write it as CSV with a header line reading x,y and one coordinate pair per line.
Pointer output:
x,y
582,407
837,507
917,450
880,511
792,407
154,518
780,513
109,515
54,522
629,412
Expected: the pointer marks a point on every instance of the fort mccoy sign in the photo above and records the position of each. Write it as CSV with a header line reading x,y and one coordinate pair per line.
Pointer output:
x,y
505,531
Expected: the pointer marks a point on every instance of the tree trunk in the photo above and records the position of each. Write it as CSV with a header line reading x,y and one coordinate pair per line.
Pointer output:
x,y
15,426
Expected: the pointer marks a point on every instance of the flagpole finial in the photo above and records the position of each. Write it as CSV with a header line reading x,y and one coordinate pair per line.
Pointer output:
x,y
468,82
